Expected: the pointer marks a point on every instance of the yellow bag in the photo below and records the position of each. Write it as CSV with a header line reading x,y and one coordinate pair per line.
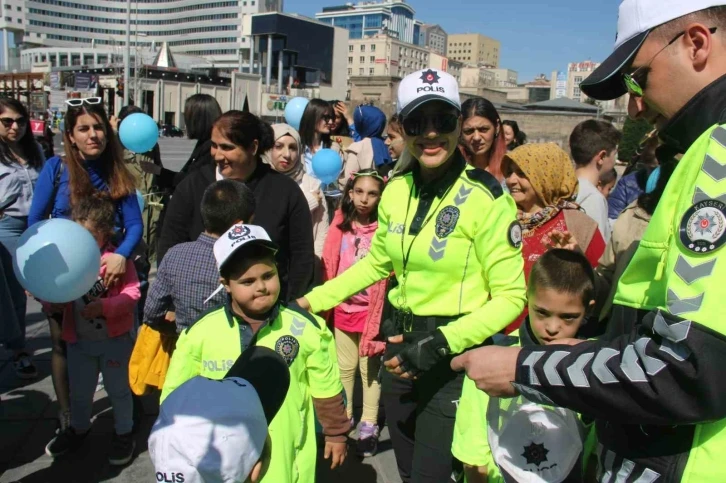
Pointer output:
x,y
150,360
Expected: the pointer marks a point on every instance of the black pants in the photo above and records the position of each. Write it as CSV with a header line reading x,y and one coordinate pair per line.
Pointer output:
x,y
420,416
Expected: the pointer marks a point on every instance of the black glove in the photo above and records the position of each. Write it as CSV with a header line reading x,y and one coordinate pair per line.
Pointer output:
x,y
422,351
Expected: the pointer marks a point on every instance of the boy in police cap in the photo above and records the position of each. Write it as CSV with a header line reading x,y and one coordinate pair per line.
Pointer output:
x,y
216,431
253,316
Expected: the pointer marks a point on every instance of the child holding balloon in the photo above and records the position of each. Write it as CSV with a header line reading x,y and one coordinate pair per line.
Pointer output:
x,y
357,320
96,330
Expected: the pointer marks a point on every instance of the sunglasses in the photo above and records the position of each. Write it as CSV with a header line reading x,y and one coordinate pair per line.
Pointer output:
x,y
635,81
9,121
91,101
442,124
328,118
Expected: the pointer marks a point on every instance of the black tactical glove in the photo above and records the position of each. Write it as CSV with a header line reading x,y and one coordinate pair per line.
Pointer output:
x,y
422,351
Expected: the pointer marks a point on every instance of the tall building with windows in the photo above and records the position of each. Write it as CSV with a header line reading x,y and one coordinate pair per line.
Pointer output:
x,y
12,24
475,49
211,29
365,19
435,38
383,55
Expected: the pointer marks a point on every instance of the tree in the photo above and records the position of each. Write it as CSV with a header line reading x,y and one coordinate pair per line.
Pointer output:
x,y
633,134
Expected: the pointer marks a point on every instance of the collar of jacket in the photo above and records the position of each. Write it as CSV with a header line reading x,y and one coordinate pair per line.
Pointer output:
x,y
705,109
231,316
441,185
262,169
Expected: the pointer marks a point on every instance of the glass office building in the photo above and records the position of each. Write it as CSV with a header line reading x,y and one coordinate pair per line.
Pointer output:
x,y
369,18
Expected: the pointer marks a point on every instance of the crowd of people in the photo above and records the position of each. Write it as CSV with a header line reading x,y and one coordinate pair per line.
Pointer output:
x,y
519,311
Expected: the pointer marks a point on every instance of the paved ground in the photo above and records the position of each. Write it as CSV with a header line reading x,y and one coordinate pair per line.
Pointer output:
x,y
28,412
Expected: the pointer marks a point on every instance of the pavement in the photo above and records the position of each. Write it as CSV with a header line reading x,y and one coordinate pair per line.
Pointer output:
x,y
28,412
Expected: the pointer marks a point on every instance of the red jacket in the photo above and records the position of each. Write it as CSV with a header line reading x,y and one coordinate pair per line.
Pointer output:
x,y
119,303
331,259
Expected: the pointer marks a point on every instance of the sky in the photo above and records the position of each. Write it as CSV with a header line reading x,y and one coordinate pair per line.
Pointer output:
x,y
537,36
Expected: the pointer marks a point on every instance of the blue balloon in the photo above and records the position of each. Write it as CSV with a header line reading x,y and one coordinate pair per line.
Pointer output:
x,y
294,111
138,133
140,198
327,165
57,260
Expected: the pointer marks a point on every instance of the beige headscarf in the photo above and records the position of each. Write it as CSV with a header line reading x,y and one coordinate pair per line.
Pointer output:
x,y
282,130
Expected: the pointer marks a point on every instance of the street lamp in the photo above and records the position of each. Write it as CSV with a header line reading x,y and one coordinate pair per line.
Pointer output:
x,y
127,53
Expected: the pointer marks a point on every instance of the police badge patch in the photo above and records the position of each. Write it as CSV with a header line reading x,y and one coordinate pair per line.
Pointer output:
x,y
446,221
288,347
703,226
515,234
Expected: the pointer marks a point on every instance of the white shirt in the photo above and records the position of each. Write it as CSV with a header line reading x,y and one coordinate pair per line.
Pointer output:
x,y
595,205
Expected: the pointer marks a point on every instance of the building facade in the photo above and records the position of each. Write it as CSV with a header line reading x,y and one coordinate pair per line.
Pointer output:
x,y
435,38
567,84
209,29
383,55
504,77
474,49
440,62
369,18
12,24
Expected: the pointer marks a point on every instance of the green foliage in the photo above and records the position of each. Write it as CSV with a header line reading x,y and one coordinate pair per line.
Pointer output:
x,y
633,134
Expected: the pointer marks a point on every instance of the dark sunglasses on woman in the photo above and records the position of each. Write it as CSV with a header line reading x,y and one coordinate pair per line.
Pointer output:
x,y
9,121
442,124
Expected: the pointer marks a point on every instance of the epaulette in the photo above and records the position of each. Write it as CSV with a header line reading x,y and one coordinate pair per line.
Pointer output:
x,y
299,310
486,178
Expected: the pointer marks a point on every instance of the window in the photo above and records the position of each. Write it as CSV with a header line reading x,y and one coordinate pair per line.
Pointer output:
x,y
20,21
350,48
252,3
576,93
8,19
20,9
360,71
7,7
350,71
362,48
372,59
373,48
370,71
362,59
578,79
350,60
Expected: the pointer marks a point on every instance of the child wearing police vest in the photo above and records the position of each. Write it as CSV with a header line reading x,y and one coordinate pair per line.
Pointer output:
x,y
357,320
518,440
253,316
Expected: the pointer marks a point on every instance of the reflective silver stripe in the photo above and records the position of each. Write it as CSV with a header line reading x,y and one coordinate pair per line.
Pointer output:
x,y
719,135
678,306
297,327
437,249
599,367
625,469
648,476
690,273
677,351
630,366
608,467
576,371
652,365
674,332
530,361
462,195
550,368
701,195
713,168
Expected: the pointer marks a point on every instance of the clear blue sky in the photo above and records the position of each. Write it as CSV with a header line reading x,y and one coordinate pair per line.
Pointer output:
x,y
537,36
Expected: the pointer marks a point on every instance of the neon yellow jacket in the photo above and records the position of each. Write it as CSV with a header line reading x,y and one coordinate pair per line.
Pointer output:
x,y
467,251
210,347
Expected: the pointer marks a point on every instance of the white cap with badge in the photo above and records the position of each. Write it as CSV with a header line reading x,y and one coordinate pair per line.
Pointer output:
x,y
239,236
424,86
636,19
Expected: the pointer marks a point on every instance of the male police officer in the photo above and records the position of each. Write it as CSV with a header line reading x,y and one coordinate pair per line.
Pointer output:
x,y
656,391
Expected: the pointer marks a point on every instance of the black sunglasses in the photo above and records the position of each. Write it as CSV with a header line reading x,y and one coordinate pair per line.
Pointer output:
x,y
9,121
442,124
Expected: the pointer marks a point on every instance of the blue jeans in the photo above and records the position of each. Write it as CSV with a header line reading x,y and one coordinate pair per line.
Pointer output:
x,y
86,359
12,292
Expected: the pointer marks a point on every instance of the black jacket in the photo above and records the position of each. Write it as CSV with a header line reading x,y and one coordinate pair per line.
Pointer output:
x,y
281,210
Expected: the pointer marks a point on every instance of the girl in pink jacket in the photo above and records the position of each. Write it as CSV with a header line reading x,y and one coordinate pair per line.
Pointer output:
x,y
96,329
356,321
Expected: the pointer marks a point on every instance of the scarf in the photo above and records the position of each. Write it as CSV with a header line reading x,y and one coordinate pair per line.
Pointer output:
x,y
282,130
552,176
370,122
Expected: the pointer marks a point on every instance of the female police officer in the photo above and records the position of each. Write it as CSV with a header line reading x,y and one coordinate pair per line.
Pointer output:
x,y
452,239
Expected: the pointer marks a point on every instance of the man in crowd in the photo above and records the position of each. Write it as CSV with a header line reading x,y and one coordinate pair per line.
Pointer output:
x,y
655,391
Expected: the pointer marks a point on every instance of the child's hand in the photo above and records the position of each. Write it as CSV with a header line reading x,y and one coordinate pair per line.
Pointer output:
x,y
338,451
303,303
115,268
92,310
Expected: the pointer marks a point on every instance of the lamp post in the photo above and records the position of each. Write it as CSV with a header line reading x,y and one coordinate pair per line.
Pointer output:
x,y
127,53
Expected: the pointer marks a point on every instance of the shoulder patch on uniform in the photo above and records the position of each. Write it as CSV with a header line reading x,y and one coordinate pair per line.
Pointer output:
x,y
299,310
287,347
514,234
486,178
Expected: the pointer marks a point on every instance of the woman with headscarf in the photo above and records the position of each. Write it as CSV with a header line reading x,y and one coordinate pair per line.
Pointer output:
x,y
284,157
371,151
542,181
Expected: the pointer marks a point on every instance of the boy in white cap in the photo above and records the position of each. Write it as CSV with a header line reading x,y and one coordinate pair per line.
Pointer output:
x,y
216,431
254,317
